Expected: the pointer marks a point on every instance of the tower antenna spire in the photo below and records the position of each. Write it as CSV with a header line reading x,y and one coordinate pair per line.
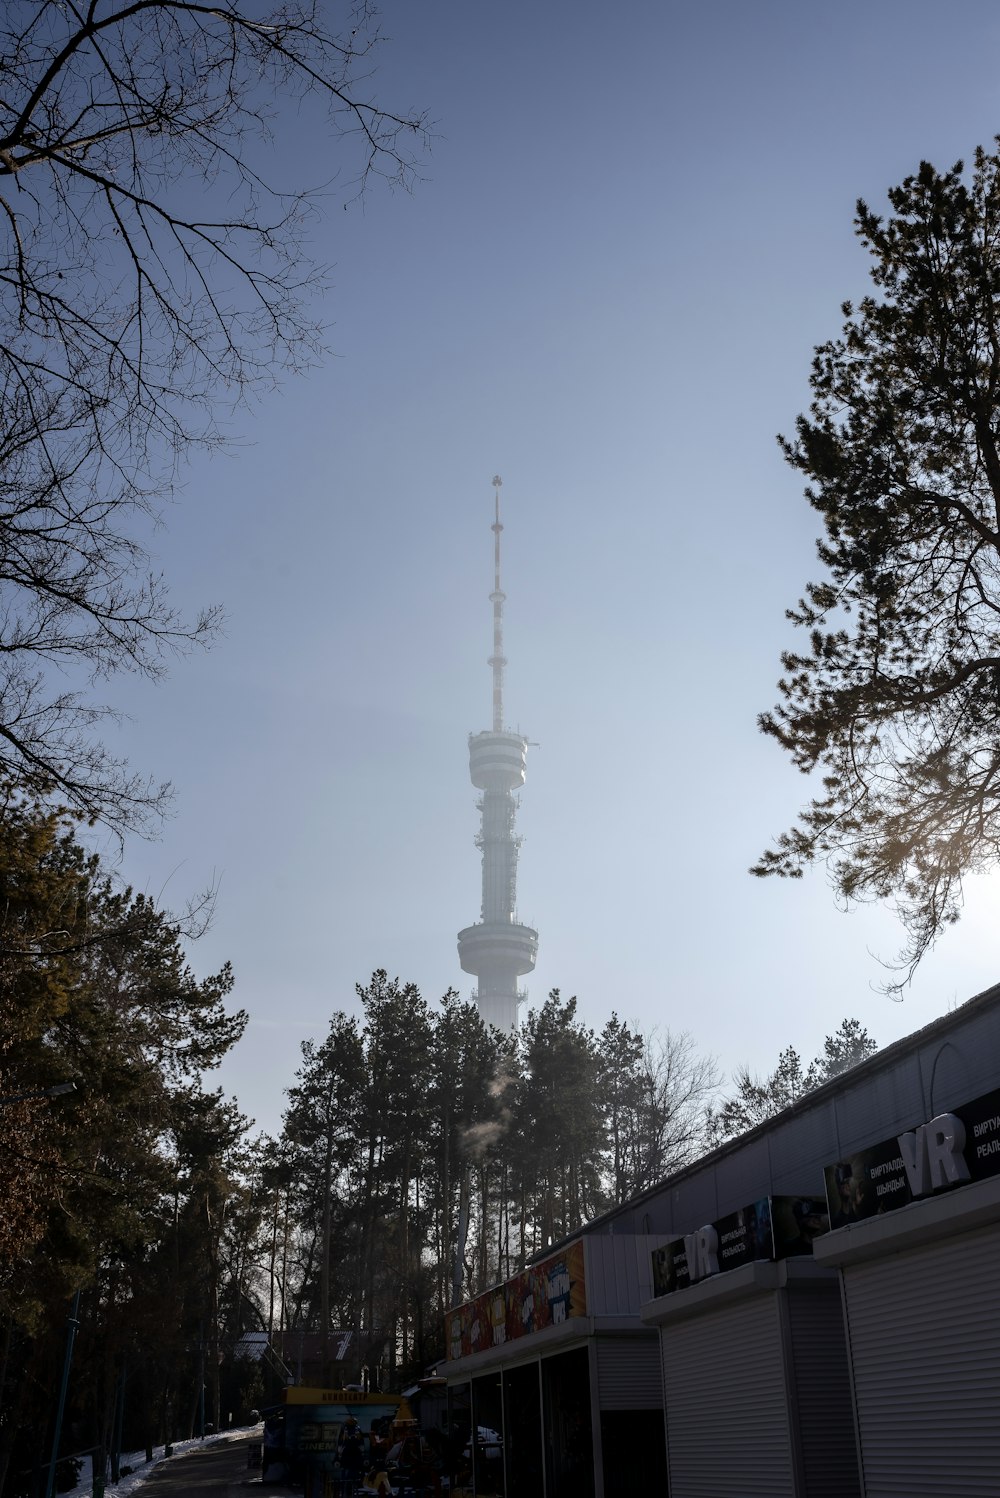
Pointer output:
x,y
497,660
498,949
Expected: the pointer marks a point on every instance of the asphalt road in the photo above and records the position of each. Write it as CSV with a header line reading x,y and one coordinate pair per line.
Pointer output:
x,y
220,1470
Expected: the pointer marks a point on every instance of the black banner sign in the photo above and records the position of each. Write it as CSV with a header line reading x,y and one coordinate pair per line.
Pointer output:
x,y
923,1161
772,1228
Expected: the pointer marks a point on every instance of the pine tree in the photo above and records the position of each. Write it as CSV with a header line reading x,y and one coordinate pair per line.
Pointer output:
x,y
896,697
95,989
560,1119
320,1130
757,1099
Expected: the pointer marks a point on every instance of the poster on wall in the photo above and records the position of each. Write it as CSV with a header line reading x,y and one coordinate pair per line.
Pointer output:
x,y
867,1183
796,1222
670,1267
543,1294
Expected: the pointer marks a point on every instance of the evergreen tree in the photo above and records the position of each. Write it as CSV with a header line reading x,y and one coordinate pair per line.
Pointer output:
x,y
425,1157
757,1099
467,1118
560,1118
621,1057
95,990
848,1046
320,1130
396,1140
896,697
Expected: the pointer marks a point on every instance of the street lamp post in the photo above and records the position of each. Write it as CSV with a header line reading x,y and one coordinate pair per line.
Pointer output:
x,y
72,1324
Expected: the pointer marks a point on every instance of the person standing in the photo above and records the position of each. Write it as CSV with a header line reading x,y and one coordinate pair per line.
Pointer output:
x,y
351,1455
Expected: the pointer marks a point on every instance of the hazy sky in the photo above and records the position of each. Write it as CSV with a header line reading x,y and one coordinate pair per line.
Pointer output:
x,y
636,222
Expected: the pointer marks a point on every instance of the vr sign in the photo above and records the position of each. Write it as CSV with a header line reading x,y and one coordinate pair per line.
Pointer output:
x,y
949,1150
933,1155
770,1228
702,1252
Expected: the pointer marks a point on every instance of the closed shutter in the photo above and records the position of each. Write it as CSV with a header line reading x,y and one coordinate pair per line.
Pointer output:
x,y
727,1418
822,1395
628,1373
924,1336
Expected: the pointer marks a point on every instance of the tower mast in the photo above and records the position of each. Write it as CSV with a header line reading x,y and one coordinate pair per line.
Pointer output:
x,y
498,949
497,660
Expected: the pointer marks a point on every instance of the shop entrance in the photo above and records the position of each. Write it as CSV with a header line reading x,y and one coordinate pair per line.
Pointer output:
x,y
569,1436
522,1409
487,1433
458,1429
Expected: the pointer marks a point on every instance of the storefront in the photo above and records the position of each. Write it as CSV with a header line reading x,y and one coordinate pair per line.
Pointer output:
x,y
312,1425
918,1249
812,1310
757,1393
557,1381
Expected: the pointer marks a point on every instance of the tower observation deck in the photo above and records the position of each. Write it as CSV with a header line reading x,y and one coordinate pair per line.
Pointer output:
x,y
498,949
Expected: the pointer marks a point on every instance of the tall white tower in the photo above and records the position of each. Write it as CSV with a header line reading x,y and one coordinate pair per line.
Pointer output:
x,y
498,949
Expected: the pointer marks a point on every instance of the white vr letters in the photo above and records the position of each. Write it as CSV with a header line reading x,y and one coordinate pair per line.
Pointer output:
x,y
702,1249
932,1154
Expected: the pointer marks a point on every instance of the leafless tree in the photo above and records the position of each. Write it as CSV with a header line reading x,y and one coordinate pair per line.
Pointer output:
x,y
149,269
678,1084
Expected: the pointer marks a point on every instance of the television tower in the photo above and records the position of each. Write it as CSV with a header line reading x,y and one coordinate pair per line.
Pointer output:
x,y
498,949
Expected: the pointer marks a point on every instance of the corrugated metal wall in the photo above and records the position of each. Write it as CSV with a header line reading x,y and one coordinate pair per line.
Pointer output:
x,y
628,1372
925,1342
821,1390
619,1272
727,1418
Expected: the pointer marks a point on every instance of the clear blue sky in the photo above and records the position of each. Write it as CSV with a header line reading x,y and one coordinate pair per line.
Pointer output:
x,y
634,225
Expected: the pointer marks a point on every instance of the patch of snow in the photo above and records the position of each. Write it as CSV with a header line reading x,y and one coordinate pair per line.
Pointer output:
x,y
141,1468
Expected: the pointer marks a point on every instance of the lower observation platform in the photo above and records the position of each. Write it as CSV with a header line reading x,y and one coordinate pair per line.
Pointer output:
x,y
497,948
498,952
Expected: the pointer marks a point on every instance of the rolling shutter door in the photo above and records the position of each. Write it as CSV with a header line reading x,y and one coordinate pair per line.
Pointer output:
x,y
727,1419
628,1373
924,1335
824,1410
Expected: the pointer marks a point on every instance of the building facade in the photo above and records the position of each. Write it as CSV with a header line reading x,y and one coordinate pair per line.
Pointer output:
x,y
812,1310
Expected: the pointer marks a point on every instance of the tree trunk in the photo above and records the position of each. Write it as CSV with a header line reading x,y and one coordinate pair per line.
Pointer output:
x,y
458,1268
324,1267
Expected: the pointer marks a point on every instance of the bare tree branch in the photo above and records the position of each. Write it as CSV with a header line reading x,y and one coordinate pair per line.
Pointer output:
x,y
127,312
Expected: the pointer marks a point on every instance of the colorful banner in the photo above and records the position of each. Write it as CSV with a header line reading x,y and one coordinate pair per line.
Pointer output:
x,y
541,1295
923,1161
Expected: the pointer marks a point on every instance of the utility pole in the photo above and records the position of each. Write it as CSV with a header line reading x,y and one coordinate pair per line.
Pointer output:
x,y
72,1324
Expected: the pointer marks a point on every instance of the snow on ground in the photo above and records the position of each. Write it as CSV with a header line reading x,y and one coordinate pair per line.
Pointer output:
x,y
141,1468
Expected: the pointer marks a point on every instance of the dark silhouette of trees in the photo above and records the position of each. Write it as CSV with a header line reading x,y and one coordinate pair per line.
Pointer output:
x,y
422,1157
95,989
425,1157
895,699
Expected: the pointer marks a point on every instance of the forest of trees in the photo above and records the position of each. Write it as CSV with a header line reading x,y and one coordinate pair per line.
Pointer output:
x,y
424,1157
421,1159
